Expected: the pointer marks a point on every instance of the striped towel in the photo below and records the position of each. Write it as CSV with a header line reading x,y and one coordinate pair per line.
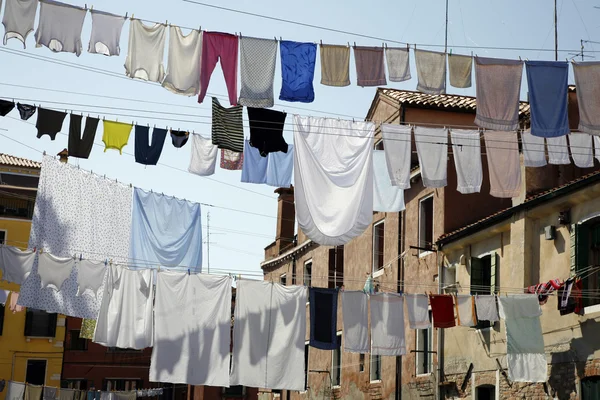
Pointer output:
x,y
227,128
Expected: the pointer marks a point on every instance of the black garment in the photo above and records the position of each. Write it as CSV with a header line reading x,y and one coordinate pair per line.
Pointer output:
x,y
26,111
323,318
49,122
569,297
148,154
6,107
266,130
81,147
179,138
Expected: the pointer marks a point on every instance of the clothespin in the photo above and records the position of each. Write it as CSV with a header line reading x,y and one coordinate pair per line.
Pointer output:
x,y
415,46
321,42
355,44
407,47
188,272
80,256
126,15
92,8
520,58
106,262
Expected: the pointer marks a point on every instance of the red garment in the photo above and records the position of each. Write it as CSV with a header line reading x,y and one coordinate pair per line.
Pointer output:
x,y
442,308
224,47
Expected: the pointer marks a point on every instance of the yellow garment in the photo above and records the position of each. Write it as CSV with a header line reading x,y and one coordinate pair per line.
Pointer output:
x,y
116,135
33,392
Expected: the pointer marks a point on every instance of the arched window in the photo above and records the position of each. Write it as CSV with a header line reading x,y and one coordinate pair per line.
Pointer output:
x,y
485,392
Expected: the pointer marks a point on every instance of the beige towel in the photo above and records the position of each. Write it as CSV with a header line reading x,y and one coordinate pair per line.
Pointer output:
x,y
33,392
460,68
587,81
502,150
370,70
431,71
335,65
398,63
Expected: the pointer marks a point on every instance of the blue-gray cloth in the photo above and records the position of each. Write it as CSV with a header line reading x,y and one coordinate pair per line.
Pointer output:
x,y
297,71
386,197
274,170
548,91
254,167
166,231
323,318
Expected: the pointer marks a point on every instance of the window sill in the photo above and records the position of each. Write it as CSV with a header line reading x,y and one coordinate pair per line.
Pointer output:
x,y
48,338
425,254
378,273
591,309
336,387
426,375
376,381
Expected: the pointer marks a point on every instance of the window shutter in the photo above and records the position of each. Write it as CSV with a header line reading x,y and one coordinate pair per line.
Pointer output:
x,y
52,319
476,275
494,277
1,318
339,267
573,246
331,269
582,246
28,322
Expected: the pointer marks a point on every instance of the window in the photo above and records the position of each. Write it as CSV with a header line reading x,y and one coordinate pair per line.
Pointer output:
x,y
306,349
307,273
79,384
379,145
336,267
1,318
590,387
483,279
361,362
40,323
75,342
234,391
336,363
587,253
485,392
36,372
2,237
375,368
425,224
424,350
283,279
378,239
111,384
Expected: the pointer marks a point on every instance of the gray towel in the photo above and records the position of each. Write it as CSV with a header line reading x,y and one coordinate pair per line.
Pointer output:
x,y
587,81
460,68
498,84
398,63
431,71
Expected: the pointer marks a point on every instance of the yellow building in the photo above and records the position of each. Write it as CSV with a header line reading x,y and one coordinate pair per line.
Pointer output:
x,y
31,341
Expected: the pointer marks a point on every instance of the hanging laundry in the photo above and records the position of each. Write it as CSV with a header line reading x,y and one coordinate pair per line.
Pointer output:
x,y
16,264
581,149
432,149
106,33
59,27
386,197
179,138
465,310
323,318
54,271
219,46
596,147
398,63
183,70
18,20
534,150
50,393
280,167
49,122
90,276
88,326
387,324
4,296
543,290
548,86
66,394
194,349
525,354
26,111
15,391
370,69
498,88
297,71
257,70
126,319
486,307
13,306
268,336
335,65
355,310
396,144
145,52
587,81
227,127
203,156
266,130
334,198
466,151
558,152
6,107
368,287
569,297
116,135
417,306
502,150
81,147
231,160
33,392
431,71
460,69
145,153
166,231
254,168
442,309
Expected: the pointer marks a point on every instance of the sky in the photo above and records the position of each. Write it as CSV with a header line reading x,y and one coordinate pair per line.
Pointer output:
x,y
243,219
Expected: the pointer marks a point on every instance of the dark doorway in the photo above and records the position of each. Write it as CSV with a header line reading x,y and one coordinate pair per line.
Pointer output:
x,y
36,372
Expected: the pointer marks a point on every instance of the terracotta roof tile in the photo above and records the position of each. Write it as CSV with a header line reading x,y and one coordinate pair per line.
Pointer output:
x,y
6,159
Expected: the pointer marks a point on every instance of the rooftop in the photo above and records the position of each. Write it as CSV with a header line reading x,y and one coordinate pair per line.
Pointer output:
x,y
12,161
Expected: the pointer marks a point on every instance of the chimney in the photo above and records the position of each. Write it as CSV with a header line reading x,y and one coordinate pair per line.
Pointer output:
x,y
286,219
64,156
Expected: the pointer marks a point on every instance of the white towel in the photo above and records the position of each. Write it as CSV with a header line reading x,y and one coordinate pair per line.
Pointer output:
x,y
486,307
581,146
355,310
146,51
15,391
192,334
386,197
398,63
460,68
466,149
387,324
432,149
15,264
466,310
498,85
502,150
90,276
431,71
203,156
534,150
333,174
396,144
587,81
54,271
183,70
558,152
417,306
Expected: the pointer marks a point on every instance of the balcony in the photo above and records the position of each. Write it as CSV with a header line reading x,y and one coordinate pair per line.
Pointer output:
x,y
16,208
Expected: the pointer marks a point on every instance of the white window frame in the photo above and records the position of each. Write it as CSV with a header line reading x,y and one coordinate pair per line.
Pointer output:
x,y
370,369
423,253
419,355
304,272
284,276
338,384
373,270
380,141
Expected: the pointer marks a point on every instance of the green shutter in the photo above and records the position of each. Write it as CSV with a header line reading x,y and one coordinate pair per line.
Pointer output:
x,y
573,247
582,247
494,277
476,275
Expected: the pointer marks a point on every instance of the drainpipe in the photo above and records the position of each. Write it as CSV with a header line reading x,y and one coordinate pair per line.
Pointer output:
x,y
400,288
440,333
